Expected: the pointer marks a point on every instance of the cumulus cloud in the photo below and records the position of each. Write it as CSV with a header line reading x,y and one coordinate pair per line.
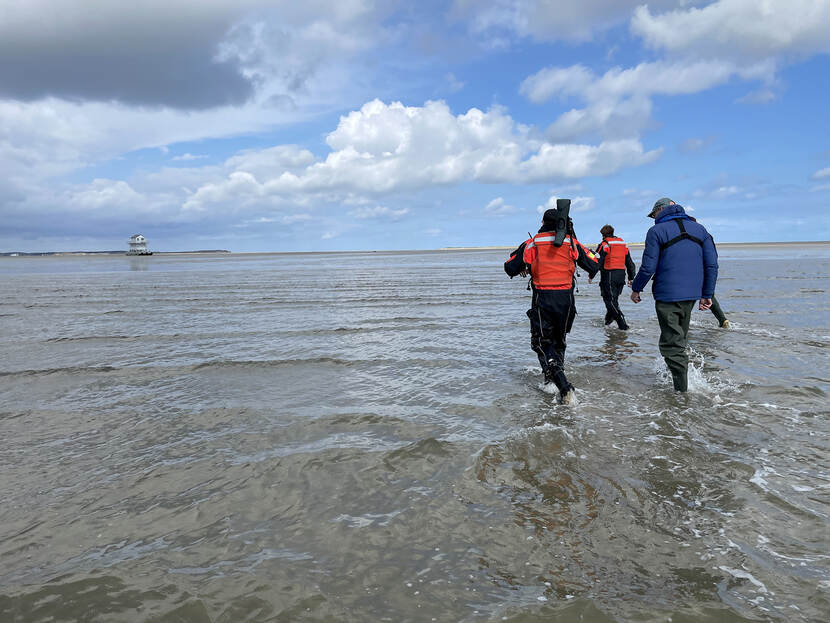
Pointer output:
x,y
379,150
385,148
822,174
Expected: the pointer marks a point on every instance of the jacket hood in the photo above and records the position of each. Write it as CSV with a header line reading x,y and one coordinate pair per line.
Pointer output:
x,y
672,211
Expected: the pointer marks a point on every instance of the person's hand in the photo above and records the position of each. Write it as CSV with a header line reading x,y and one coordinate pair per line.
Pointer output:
x,y
635,297
704,304
590,280
629,283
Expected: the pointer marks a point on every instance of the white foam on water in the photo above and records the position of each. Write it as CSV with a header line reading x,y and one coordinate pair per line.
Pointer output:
x,y
549,388
744,575
369,519
698,382
758,479
802,488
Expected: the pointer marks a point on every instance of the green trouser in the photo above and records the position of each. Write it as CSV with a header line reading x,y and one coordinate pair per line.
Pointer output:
x,y
717,311
674,330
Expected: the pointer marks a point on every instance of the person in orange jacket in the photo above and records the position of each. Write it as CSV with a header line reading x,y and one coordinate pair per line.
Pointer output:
x,y
614,262
553,308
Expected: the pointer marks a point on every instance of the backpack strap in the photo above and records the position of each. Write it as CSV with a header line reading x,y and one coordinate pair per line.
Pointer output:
x,y
684,235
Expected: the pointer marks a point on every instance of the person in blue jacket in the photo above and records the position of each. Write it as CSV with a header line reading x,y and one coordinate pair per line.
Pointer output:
x,y
681,256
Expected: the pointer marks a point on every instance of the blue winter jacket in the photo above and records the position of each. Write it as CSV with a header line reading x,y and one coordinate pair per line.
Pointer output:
x,y
684,271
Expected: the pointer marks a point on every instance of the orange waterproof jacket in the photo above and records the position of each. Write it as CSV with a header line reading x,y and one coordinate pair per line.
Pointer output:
x,y
551,267
615,252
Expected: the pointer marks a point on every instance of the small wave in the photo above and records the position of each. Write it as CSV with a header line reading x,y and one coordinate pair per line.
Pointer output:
x,y
273,363
425,449
68,370
83,338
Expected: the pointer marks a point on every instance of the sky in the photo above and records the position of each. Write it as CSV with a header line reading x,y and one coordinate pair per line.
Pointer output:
x,y
332,125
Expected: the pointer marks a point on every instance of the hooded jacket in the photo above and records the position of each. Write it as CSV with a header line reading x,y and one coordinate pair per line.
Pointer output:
x,y
684,270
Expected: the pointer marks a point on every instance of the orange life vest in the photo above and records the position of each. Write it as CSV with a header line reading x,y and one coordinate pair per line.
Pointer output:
x,y
551,267
615,252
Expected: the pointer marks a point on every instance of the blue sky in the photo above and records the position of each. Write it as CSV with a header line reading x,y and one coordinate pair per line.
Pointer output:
x,y
256,126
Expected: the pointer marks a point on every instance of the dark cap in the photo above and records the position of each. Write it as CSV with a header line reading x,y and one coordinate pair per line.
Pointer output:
x,y
659,205
550,215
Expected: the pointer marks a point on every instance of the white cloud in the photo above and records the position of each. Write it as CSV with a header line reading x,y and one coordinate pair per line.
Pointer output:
x,y
759,96
454,84
188,157
497,207
578,204
102,195
693,144
384,148
378,212
719,192
265,161
618,102
739,29
646,79
708,47
544,20
821,174
378,150
290,219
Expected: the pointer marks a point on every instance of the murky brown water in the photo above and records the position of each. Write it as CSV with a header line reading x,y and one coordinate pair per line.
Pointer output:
x,y
361,437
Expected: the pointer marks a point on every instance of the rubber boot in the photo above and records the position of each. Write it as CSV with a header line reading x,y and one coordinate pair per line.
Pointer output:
x,y
679,377
557,375
621,323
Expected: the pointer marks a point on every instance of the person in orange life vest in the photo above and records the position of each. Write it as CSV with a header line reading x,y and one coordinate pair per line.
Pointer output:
x,y
614,262
552,309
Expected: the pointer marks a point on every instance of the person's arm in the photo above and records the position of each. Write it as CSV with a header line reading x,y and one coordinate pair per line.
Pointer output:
x,y
600,252
651,258
630,268
710,272
515,264
584,260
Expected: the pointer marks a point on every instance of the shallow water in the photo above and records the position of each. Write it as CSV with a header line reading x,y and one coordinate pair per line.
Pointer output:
x,y
361,437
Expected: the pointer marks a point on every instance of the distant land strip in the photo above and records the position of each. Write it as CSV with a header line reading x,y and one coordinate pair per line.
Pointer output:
x,y
472,248
40,253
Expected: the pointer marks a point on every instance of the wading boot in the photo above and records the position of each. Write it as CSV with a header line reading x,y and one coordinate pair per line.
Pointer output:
x,y
567,395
